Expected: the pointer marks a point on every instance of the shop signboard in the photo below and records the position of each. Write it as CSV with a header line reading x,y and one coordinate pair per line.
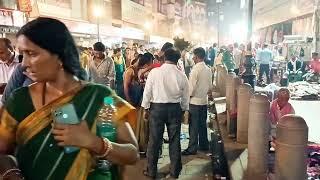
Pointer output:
x,y
56,8
59,3
24,5
18,18
133,12
80,27
159,39
6,17
132,33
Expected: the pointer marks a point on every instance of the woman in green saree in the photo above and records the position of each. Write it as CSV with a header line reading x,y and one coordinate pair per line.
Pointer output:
x,y
52,62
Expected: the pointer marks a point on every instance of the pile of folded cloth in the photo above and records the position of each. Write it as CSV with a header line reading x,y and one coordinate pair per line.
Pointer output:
x,y
303,90
313,168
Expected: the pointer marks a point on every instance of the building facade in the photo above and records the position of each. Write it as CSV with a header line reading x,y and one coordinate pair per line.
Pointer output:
x,y
113,21
271,24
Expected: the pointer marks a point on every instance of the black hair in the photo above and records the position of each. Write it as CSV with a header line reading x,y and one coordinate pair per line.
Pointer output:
x,y
146,58
199,52
135,44
99,46
315,54
115,51
136,59
149,55
7,43
172,55
166,46
52,35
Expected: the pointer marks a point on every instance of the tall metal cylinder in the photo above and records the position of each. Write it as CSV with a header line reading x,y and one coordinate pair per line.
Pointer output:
x,y
245,92
258,137
291,143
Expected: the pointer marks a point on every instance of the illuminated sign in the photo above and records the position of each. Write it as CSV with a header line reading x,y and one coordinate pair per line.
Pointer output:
x,y
24,5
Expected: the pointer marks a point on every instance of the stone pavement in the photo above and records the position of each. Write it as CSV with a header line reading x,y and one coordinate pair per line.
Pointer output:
x,y
195,167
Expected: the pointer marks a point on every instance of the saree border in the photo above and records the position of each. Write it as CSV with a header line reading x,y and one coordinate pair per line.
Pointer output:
x,y
8,126
82,165
31,125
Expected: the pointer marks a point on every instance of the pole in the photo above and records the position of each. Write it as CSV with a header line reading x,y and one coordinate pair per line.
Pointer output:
x,y
98,28
249,35
218,24
316,25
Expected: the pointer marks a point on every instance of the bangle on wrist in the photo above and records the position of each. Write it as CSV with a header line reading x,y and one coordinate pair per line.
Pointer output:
x,y
107,147
7,173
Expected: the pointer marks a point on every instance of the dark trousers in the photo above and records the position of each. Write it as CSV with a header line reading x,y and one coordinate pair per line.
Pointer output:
x,y
264,68
236,71
198,128
169,114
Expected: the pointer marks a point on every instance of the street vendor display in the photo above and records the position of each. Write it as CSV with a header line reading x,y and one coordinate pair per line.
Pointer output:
x,y
313,169
304,91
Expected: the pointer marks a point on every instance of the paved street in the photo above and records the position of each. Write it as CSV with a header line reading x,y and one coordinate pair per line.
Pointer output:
x,y
194,167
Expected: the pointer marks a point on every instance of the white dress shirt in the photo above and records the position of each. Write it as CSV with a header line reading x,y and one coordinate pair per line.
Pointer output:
x,y
7,70
166,84
200,83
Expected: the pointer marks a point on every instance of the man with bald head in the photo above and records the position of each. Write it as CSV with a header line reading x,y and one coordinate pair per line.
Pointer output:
x,y
7,62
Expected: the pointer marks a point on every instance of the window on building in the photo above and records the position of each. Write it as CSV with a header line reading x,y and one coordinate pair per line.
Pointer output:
x,y
161,7
139,2
8,4
178,7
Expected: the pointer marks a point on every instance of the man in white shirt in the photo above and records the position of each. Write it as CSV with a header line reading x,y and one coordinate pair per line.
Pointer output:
x,y
8,62
200,85
166,96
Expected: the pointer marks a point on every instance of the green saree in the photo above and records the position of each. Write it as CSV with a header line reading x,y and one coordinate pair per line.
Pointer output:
x,y
37,153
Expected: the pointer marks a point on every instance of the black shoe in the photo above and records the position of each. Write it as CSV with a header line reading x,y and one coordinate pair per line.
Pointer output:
x,y
187,153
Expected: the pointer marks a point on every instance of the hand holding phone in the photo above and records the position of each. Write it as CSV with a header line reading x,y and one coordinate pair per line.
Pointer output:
x,y
66,114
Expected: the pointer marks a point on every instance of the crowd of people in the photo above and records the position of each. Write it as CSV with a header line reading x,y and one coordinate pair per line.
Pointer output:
x,y
152,89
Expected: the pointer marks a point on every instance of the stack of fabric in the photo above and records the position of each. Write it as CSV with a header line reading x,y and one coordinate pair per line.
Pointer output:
x,y
304,91
313,168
